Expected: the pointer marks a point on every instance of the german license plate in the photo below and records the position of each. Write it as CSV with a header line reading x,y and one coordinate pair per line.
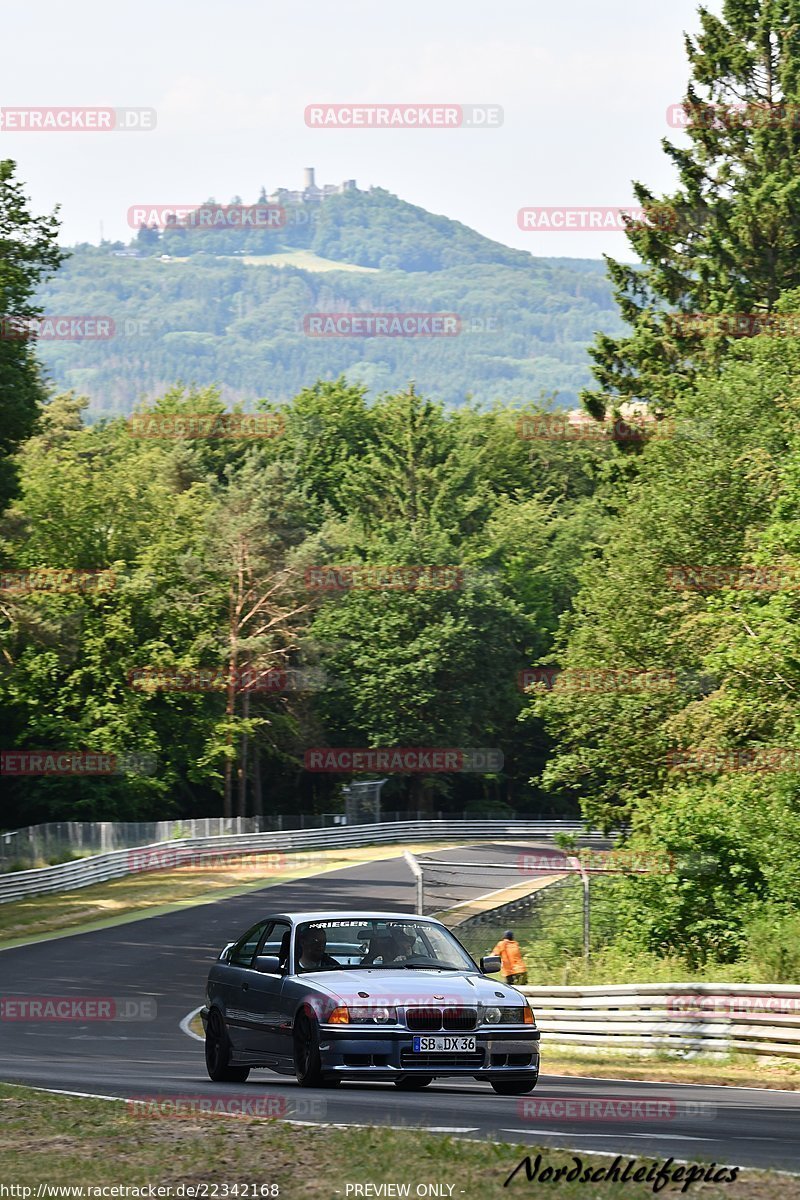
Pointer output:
x,y
443,1045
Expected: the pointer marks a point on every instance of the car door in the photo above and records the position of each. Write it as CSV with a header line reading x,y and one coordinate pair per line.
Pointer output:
x,y
266,1034
235,985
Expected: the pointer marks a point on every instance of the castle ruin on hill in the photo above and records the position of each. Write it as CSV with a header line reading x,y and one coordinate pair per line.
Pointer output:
x,y
310,193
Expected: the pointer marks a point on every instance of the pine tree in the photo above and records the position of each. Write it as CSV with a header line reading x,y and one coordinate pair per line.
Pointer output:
x,y
727,240
28,254
148,239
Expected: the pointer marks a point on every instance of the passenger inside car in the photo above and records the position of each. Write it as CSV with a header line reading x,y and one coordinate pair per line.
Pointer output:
x,y
312,955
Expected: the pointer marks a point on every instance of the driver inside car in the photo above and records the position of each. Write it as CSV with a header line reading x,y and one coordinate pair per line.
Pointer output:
x,y
393,947
402,948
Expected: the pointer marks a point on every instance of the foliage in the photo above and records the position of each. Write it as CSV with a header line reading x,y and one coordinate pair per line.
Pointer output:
x,y
726,240
28,253
210,315
210,542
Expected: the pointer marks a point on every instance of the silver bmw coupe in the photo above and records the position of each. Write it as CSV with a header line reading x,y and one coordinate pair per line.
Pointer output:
x,y
327,996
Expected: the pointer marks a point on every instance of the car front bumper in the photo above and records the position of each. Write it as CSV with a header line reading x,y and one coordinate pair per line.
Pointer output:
x,y
390,1053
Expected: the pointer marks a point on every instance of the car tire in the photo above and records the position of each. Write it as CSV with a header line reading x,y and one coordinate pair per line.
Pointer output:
x,y
513,1087
307,1064
218,1052
413,1083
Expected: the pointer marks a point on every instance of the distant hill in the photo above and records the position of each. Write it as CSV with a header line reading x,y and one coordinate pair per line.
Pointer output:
x,y
228,306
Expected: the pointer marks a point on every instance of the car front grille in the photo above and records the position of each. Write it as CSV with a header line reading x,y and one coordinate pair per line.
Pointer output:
x,y
424,1018
431,1019
459,1018
468,1059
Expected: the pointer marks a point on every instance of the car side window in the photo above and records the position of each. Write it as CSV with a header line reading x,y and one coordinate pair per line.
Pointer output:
x,y
244,951
276,942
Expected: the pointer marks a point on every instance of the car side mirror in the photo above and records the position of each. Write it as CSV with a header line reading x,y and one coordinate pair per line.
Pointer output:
x,y
225,954
490,963
268,964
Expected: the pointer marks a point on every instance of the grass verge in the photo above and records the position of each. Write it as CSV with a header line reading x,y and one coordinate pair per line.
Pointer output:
x,y
306,260
63,1140
735,1070
151,893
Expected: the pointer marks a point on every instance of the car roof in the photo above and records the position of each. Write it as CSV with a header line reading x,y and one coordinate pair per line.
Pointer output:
x,y
346,915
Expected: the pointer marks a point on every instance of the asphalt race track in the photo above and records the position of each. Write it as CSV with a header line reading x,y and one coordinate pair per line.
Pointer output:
x,y
167,958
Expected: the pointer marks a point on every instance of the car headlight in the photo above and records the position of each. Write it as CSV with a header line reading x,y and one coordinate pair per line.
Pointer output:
x,y
509,1015
362,1015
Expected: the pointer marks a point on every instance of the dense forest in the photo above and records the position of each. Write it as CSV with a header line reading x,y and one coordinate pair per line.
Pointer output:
x,y
621,614
187,528
227,309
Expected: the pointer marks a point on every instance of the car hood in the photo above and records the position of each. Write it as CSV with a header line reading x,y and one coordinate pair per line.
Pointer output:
x,y
404,988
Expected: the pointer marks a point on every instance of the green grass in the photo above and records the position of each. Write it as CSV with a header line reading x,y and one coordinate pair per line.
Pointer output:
x,y
730,1070
551,938
63,1140
306,260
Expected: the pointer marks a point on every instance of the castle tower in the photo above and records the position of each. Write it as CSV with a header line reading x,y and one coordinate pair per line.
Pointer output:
x,y
308,178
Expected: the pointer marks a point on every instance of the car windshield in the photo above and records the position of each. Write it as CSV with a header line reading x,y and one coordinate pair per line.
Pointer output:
x,y
385,944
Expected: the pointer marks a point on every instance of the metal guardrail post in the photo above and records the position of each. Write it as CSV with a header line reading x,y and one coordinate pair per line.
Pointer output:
x,y
587,940
416,871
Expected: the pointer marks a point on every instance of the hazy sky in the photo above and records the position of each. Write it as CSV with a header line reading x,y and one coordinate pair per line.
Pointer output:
x,y
584,86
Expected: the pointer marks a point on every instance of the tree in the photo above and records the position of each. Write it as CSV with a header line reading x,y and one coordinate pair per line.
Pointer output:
x,y
727,240
417,476
697,500
248,549
28,253
148,239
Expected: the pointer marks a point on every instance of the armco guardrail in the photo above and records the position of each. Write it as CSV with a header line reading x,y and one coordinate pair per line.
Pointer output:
x,y
754,1018
59,841
118,863
509,909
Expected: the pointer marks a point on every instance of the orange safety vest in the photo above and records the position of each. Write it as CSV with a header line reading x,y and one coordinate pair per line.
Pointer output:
x,y
510,957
